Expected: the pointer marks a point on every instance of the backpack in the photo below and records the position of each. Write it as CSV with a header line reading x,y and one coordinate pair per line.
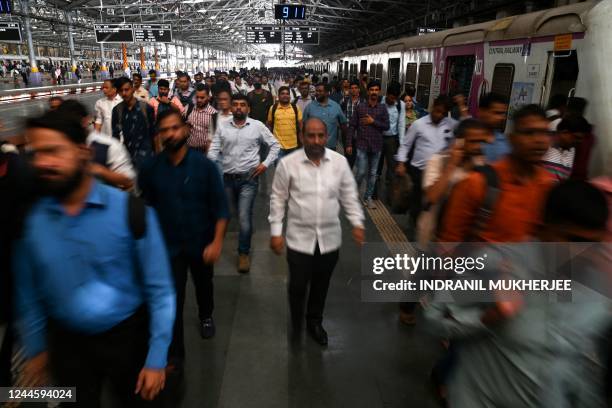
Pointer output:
x,y
185,100
485,211
295,111
137,216
143,109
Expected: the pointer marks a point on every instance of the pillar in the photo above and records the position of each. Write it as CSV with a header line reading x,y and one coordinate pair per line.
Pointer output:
x,y
103,70
35,78
168,59
70,43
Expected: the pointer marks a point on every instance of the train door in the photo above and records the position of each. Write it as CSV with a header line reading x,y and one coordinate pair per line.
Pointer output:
x,y
339,69
394,69
561,75
346,70
459,74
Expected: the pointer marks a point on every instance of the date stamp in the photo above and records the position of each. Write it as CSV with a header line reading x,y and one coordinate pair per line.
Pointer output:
x,y
37,394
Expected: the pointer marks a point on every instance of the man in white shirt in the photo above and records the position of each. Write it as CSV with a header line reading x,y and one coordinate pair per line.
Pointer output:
x,y
111,161
240,141
312,182
104,108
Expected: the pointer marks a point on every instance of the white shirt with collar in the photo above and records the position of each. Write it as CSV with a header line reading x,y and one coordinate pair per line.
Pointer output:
x,y
428,139
314,195
240,146
117,158
104,113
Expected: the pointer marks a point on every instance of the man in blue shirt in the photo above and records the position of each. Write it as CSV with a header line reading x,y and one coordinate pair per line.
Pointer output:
x,y
94,294
329,112
187,192
492,111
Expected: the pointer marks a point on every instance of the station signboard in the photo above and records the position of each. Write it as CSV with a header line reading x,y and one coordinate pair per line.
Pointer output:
x,y
301,35
114,33
153,33
10,32
264,35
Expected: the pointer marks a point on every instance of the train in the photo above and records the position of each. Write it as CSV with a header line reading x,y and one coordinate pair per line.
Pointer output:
x,y
527,58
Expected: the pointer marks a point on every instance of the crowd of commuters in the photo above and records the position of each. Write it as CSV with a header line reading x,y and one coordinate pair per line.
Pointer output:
x,y
122,202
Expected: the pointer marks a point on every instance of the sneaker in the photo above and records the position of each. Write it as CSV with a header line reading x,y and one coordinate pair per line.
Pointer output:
x,y
207,328
370,204
244,263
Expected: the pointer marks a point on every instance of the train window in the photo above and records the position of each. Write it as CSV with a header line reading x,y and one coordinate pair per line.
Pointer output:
x,y
353,72
379,72
459,74
340,69
372,71
346,69
503,75
394,69
411,74
363,66
424,83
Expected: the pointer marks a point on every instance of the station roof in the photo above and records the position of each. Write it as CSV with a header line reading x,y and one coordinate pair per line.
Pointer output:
x,y
220,24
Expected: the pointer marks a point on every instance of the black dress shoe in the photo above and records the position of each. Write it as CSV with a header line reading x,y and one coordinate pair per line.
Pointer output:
x,y
207,328
318,333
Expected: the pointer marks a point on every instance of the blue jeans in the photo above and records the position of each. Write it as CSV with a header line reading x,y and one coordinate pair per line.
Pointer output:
x,y
367,164
241,191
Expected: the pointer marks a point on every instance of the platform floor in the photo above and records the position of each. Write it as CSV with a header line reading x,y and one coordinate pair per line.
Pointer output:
x,y
372,360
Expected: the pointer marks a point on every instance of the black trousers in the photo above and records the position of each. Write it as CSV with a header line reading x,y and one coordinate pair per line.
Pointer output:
x,y
202,276
416,206
304,270
389,149
87,361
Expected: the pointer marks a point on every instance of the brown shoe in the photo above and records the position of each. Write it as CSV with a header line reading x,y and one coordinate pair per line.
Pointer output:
x,y
244,263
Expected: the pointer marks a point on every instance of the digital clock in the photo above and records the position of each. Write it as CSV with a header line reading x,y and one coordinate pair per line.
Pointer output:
x,y
289,12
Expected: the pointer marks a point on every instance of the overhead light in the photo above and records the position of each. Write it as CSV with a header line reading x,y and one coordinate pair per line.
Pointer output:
x,y
202,11
225,27
213,17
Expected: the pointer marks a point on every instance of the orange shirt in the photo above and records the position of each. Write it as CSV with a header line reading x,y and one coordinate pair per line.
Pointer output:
x,y
516,214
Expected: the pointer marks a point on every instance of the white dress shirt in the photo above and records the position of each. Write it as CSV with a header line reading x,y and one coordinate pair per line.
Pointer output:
x,y
240,146
314,194
117,158
104,113
428,138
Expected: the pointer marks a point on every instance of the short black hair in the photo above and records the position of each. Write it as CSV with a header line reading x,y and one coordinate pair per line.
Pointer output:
x,y
283,88
469,124
576,105
578,203
182,75
327,87
56,98
527,111
573,124
374,83
355,82
410,91
167,113
62,122
112,83
152,71
241,97
394,88
73,107
443,100
136,75
163,83
487,100
202,87
119,82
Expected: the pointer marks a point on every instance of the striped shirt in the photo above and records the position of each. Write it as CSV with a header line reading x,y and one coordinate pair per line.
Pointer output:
x,y
201,124
559,162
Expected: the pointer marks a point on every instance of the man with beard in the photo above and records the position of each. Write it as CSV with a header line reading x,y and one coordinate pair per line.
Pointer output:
x,y
162,102
186,190
94,295
202,120
314,181
240,140
329,112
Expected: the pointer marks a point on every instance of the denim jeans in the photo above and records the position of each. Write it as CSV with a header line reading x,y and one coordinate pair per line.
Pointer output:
x,y
367,164
241,191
